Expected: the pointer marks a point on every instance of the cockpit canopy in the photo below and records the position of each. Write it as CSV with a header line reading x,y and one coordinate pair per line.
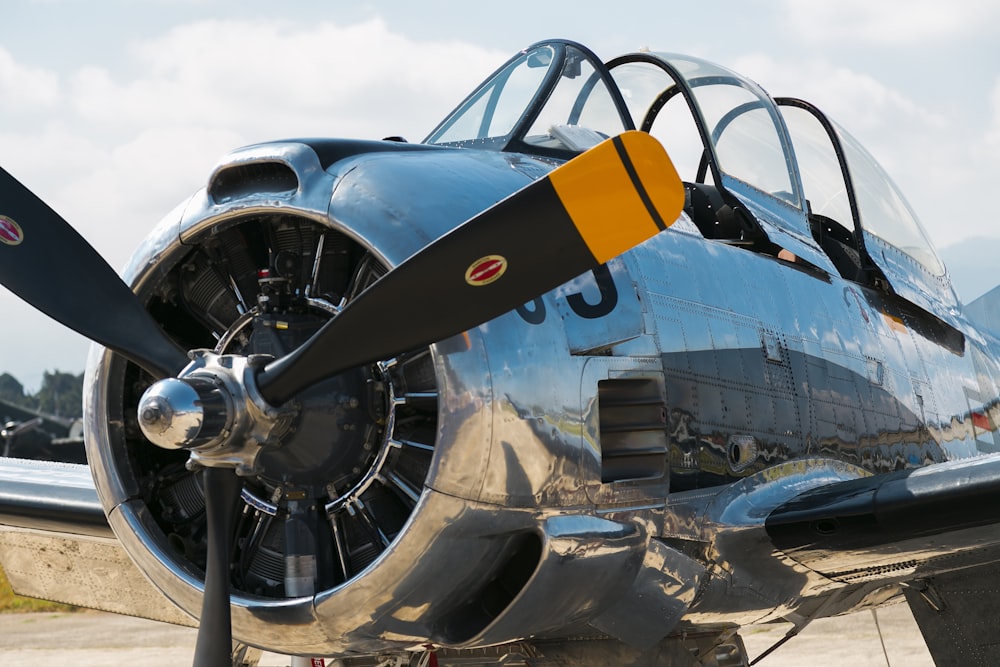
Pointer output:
x,y
790,178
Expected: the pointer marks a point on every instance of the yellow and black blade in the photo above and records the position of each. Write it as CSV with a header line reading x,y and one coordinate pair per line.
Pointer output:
x,y
581,215
45,262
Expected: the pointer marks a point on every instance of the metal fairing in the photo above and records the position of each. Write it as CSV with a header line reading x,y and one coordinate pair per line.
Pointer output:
x,y
707,430
914,282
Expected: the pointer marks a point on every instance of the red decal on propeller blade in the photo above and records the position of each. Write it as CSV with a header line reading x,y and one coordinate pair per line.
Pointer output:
x,y
10,232
486,270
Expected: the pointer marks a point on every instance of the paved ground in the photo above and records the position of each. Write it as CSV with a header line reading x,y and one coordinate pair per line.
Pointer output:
x,y
851,640
94,639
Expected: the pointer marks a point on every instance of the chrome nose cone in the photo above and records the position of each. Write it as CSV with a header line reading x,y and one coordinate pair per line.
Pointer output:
x,y
181,414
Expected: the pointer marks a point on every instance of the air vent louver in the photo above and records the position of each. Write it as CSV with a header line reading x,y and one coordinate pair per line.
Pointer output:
x,y
238,181
633,429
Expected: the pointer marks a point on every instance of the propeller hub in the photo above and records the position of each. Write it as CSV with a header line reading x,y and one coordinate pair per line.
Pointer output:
x,y
183,414
213,409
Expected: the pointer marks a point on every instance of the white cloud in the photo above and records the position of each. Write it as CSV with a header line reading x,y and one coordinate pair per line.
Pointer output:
x,y
890,22
24,88
268,79
993,135
47,154
855,99
128,189
889,123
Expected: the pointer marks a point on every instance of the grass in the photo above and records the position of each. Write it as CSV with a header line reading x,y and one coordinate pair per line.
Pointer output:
x,y
15,604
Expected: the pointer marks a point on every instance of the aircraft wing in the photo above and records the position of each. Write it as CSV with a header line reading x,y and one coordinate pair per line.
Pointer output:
x,y
936,528
55,544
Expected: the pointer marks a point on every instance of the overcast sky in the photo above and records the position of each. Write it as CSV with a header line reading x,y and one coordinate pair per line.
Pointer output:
x,y
115,111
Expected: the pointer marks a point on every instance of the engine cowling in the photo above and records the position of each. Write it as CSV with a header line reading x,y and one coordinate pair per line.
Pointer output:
x,y
438,496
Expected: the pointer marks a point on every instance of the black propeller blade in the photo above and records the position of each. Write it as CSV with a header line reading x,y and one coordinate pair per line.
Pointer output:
x,y
49,265
584,213
215,631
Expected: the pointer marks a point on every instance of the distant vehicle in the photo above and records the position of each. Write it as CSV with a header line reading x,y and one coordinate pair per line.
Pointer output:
x,y
520,394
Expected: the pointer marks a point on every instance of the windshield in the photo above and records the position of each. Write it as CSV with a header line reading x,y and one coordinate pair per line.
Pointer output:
x,y
492,111
551,99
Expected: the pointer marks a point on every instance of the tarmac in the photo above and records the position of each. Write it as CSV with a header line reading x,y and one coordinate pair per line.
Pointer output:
x,y
96,639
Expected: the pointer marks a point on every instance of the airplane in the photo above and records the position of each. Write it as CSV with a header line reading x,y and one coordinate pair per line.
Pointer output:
x,y
27,433
534,391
